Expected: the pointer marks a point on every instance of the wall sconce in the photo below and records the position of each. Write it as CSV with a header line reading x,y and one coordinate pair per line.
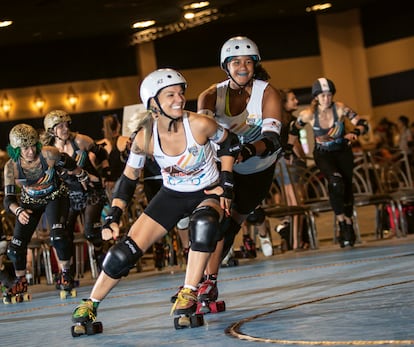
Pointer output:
x,y
104,95
72,98
39,102
6,105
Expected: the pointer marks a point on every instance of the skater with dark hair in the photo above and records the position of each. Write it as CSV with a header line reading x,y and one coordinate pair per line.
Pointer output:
x,y
33,169
251,107
333,151
180,142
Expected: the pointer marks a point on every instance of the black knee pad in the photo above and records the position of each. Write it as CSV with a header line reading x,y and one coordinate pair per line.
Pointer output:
x,y
60,240
256,217
17,254
204,229
336,184
93,233
121,258
229,228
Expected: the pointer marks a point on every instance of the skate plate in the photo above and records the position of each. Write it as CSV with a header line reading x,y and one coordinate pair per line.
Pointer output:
x,y
211,307
188,321
64,294
88,328
14,299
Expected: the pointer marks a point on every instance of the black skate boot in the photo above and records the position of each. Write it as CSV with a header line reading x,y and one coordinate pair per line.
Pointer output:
x,y
184,310
67,284
350,234
343,238
17,292
207,296
84,317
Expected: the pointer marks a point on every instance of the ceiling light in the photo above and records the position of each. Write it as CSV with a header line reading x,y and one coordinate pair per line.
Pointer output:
x,y
143,24
196,5
5,23
189,15
319,7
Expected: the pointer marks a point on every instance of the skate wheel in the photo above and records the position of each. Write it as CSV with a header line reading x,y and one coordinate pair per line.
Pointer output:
x,y
217,306
6,301
73,293
182,322
63,294
196,320
78,330
93,328
27,297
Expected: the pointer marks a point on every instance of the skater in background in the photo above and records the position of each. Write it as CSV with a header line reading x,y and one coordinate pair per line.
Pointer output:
x,y
116,147
33,170
248,105
87,203
180,142
333,151
288,180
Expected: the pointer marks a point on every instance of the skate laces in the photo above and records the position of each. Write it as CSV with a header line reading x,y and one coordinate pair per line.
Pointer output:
x,y
85,309
185,296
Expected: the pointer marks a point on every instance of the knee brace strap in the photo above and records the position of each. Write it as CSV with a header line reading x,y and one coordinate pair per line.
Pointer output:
x,y
256,217
121,258
204,229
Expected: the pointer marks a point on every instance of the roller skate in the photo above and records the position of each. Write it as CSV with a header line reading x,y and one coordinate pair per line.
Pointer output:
x,y
346,235
66,284
266,245
17,292
249,248
184,310
84,317
207,297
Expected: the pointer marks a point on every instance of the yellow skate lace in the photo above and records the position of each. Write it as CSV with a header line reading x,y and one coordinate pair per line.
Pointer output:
x,y
85,307
184,296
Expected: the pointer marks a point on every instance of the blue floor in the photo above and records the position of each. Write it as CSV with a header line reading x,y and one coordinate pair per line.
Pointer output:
x,y
325,297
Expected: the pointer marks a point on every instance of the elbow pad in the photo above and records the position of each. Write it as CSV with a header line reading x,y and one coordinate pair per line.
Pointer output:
x,y
363,123
9,197
66,162
124,188
100,152
272,143
293,129
230,146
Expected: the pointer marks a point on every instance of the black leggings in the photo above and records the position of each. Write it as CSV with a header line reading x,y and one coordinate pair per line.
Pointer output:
x,y
337,167
56,212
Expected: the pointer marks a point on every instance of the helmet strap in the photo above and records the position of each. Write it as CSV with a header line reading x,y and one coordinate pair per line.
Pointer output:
x,y
241,86
173,121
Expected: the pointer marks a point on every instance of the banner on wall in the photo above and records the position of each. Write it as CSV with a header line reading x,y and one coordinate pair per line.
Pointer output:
x,y
130,117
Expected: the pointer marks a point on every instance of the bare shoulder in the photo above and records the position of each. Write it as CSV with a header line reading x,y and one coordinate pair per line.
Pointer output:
x,y
51,152
306,115
84,142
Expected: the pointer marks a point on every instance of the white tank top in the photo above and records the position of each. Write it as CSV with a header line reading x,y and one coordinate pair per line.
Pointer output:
x,y
193,170
247,125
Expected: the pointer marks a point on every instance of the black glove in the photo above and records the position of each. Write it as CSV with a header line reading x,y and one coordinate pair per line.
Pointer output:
x,y
114,216
247,151
227,183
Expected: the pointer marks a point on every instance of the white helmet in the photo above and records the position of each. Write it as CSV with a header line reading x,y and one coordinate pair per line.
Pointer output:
x,y
158,80
239,45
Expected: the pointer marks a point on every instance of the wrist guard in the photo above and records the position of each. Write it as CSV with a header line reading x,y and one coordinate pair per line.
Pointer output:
x,y
114,216
247,151
83,176
227,183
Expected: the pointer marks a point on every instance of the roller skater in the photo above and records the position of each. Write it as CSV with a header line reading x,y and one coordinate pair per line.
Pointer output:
x,y
207,296
84,317
185,310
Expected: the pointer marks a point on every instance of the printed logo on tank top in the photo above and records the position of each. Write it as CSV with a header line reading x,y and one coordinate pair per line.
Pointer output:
x,y
188,168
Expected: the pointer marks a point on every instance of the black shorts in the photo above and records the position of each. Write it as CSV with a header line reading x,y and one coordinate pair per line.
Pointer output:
x,y
169,206
251,190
